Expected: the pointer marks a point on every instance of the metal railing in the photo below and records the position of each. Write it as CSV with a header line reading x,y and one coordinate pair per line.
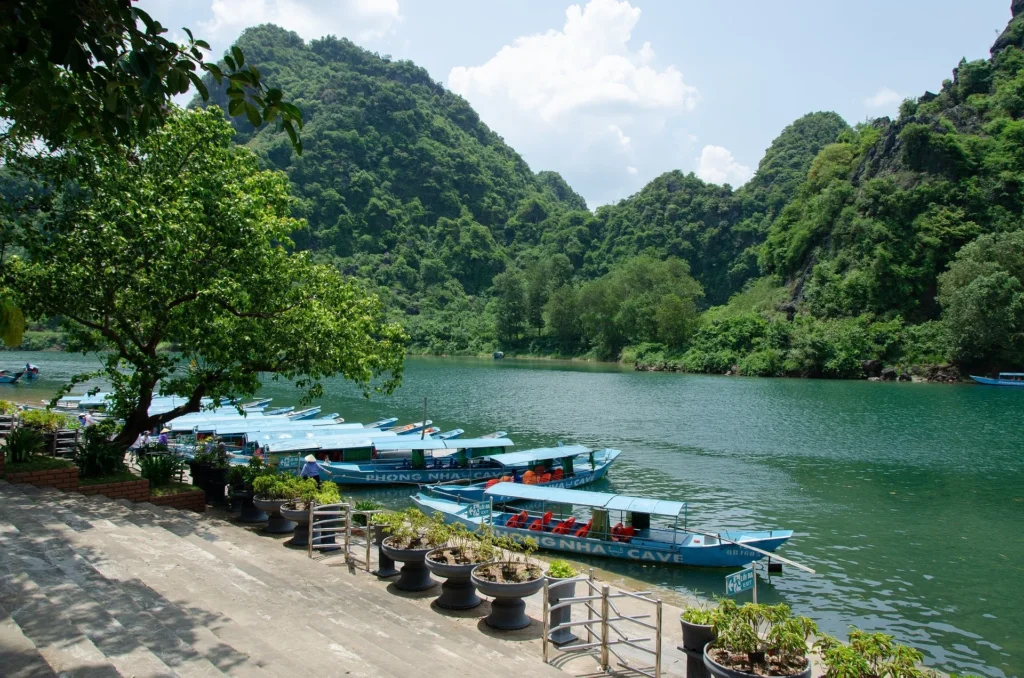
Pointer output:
x,y
334,520
606,623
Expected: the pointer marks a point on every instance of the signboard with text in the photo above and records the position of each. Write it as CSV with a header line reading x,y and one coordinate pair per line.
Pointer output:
x,y
481,509
739,582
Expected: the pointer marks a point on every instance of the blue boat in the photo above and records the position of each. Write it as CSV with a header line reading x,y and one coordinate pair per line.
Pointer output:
x,y
409,429
328,417
637,540
571,472
260,404
423,462
450,435
384,424
277,411
8,378
307,413
496,434
1005,379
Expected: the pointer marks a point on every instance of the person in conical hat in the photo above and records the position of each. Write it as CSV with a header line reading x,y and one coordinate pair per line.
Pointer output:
x,y
310,469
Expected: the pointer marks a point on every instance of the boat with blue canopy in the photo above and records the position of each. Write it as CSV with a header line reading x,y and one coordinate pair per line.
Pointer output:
x,y
421,462
571,471
635,536
1004,379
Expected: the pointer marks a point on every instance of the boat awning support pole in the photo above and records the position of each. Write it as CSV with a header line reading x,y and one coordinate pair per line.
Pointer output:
x,y
490,516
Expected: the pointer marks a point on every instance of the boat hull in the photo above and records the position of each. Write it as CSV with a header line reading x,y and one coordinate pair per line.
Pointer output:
x,y
697,553
476,493
399,476
997,382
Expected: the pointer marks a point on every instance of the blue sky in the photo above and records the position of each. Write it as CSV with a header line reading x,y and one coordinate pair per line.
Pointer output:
x,y
611,93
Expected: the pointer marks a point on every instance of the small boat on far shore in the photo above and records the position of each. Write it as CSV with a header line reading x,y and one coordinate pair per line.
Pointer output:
x,y
1004,379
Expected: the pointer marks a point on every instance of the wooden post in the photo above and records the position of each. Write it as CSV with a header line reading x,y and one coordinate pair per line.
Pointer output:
x,y
604,627
657,642
544,616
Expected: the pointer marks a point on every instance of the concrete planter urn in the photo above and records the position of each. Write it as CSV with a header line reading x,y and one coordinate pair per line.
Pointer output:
x,y
719,671
414,573
561,615
696,636
300,518
214,483
386,566
508,609
276,523
249,512
457,590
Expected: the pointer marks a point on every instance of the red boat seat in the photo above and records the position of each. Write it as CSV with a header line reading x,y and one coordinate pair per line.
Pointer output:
x,y
563,527
536,525
627,534
558,474
518,521
547,517
585,530
546,478
617,532
492,482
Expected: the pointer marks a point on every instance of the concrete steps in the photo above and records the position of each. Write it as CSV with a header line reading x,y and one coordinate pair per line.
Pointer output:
x,y
91,587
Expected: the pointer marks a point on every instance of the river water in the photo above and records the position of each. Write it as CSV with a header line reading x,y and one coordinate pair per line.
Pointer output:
x,y
908,499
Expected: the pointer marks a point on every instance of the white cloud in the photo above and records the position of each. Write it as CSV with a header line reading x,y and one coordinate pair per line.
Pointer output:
x,y
624,141
884,98
630,170
575,99
717,166
359,20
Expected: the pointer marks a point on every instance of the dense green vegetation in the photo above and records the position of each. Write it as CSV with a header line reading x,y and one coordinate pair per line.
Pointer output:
x,y
830,256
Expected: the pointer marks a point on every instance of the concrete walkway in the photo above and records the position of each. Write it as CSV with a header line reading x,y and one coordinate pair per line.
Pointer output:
x,y
93,588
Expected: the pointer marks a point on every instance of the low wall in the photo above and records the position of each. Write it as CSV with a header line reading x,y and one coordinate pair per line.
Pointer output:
x,y
186,501
60,478
134,490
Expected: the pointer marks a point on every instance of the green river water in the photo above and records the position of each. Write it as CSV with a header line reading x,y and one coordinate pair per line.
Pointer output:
x,y
908,499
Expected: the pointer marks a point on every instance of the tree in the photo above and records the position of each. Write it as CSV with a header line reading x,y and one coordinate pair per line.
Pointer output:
x,y
982,298
182,242
89,70
510,306
562,314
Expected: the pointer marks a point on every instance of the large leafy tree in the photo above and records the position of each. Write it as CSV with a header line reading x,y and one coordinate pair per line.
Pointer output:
x,y
182,242
103,70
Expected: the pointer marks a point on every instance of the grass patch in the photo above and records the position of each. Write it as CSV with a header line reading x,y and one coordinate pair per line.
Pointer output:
x,y
119,477
173,488
38,463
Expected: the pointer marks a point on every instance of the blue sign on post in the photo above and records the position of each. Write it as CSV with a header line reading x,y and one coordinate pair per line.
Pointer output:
x,y
739,582
479,509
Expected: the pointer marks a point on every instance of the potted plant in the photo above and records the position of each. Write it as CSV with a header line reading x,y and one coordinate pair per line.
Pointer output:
x,y
297,510
559,571
698,627
509,580
271,491
763,640
454,561
411,535
211,466
244,494
326,495
869,654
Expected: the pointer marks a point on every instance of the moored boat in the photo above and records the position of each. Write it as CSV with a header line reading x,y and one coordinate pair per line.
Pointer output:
x,y
637,539
575,467
1004,379
409,429
307,413
384,424
9,378
278,411
450,435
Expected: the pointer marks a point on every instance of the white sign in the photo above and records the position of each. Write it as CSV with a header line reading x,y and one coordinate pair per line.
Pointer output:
x,y
479,509
739,582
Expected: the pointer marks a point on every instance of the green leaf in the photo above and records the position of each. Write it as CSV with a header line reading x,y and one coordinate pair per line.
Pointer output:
x,y
239,57
253,114
202,43
230,62
189,34
200,86
235,107
214,70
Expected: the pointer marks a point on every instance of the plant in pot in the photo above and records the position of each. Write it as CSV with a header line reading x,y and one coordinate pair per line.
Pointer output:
x,y
559,572
327,494
244,494
508,580
454,560
271,491
296,510
870,654
411,535
211,465
698,627
763,640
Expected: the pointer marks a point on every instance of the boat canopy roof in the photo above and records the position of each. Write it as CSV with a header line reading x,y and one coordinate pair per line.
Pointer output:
x,y
1011,374
539,454
603,500
437,444
287,426
352,442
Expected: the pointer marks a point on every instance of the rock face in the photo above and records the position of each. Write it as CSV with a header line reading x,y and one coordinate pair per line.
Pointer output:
x,y
872,368
889,374
1017,7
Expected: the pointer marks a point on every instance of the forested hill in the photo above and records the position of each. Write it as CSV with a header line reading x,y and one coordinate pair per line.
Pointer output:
x,y
399,179
717,230
896,242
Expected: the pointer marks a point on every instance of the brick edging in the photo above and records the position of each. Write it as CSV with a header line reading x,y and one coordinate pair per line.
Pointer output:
x,y
186,501
61,478
134,490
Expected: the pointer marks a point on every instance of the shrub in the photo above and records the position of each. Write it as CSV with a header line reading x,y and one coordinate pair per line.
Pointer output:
x,y
97,455
869,654
560,569
23,444
160,469
363,505
7,407
769,629
278,486
48,421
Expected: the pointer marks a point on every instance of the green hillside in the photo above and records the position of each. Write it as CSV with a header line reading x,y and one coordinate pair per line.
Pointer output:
x,y
843,248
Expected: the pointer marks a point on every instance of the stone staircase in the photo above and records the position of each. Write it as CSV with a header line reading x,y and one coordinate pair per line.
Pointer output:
x,y
91,588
